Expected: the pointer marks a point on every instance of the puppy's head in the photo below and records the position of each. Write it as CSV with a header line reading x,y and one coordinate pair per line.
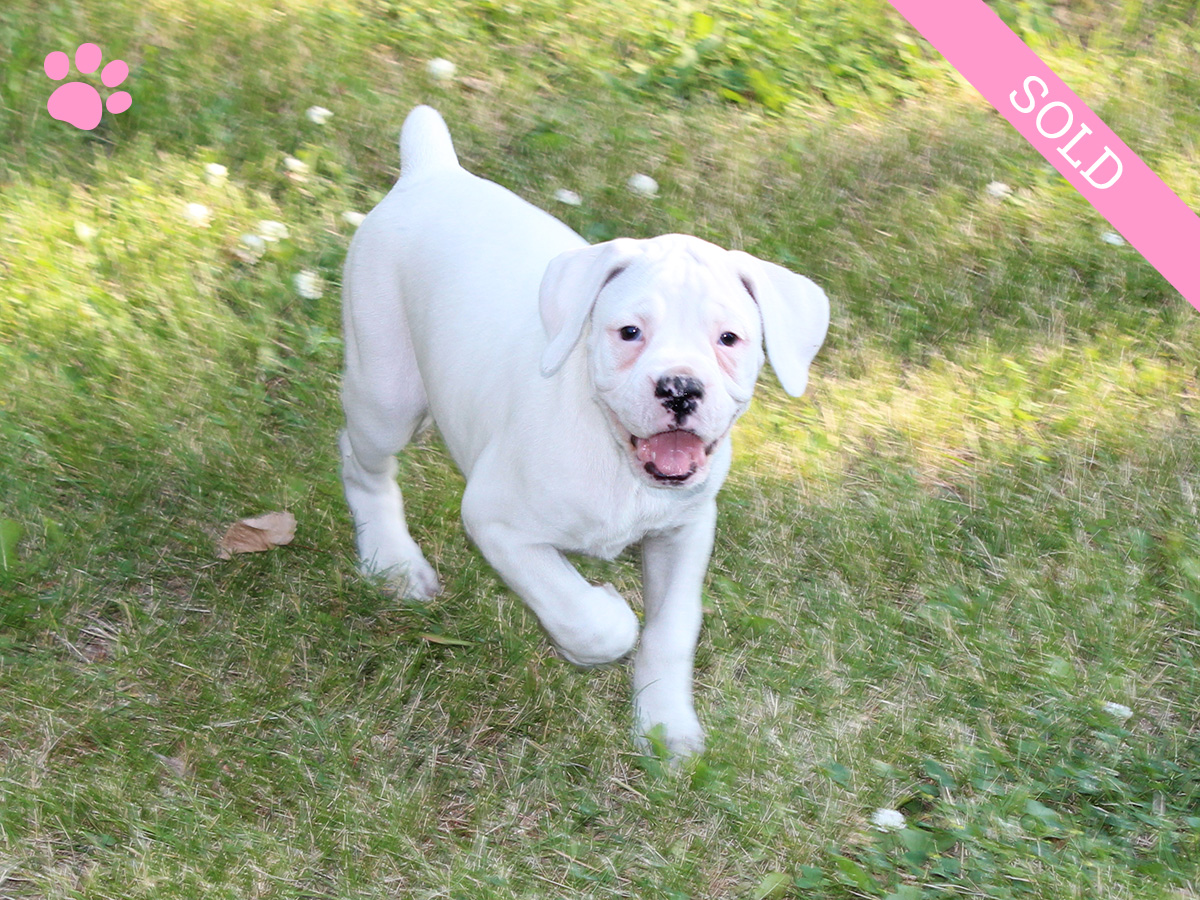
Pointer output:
x,y
674,328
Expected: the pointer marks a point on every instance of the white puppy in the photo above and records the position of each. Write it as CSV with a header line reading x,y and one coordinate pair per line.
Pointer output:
x,y
586,393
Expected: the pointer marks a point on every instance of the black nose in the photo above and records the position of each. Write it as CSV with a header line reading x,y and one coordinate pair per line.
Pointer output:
x,y
679,394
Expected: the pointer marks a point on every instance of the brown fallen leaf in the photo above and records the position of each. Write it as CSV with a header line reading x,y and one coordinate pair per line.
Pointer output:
x,y
444,640
258,534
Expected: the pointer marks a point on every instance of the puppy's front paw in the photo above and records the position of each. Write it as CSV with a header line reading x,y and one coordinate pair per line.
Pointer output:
x,y
604,630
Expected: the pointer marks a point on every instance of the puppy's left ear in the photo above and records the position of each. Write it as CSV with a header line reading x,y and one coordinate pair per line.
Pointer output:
x,y
795,317
570,285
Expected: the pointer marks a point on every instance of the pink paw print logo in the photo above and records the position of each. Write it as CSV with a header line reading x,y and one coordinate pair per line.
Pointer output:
x,y
77,102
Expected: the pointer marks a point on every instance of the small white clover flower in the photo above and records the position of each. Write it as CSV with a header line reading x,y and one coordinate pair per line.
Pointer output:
x,y
318,114
440,69
272,231
643,185
84,232
562,195
350,217
197,214
1111,237
888,819
215,173
998,190
1118,711
252,248
309,285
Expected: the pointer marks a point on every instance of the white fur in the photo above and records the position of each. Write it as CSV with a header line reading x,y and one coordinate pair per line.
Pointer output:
x,y
466,305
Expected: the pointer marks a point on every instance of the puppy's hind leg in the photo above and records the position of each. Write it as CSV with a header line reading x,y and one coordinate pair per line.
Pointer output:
x,y
384,545
385,405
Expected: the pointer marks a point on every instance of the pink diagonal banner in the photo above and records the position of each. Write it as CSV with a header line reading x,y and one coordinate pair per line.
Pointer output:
x,y
1063,129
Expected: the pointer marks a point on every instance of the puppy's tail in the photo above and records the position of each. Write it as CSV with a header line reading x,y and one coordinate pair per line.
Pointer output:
x,y
425,144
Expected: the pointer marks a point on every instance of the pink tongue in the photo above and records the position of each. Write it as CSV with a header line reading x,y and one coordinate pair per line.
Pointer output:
x,y
673,453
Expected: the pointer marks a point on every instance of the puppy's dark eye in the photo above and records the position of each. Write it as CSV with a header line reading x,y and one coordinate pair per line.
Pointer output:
x,y
630,333
728,339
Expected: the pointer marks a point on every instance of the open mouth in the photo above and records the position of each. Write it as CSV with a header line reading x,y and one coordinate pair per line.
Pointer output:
x,y
672,457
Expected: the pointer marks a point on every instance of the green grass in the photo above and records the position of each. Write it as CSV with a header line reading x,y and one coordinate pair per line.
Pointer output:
x,y
932,573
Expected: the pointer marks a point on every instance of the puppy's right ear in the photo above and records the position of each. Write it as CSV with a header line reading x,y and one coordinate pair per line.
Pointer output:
x,y
570,285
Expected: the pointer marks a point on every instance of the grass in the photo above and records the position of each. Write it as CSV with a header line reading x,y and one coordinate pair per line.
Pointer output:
x,y
934,575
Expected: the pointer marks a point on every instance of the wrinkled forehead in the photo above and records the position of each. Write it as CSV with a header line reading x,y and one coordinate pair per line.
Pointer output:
x,y
681,275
